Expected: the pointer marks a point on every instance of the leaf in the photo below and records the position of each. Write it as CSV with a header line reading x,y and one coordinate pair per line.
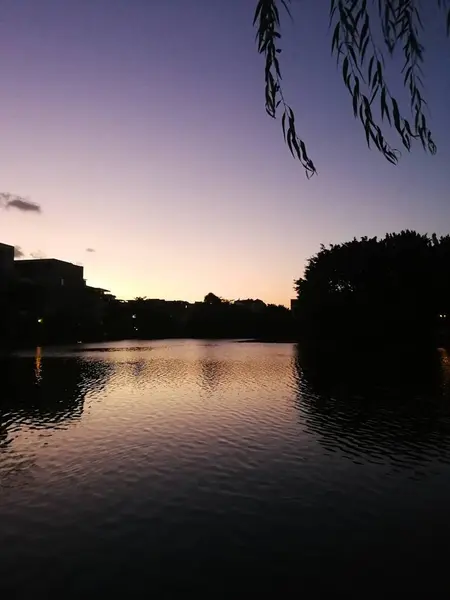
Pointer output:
x,y
374,93
291,116
276,14
289,141
286,7
407,74
363,50
367,129
277,67
351,51
355,105
335,39
406,142
303,149
296,146
384,107
379,71
345,69
355,97
365,29
396,115
258,11
361,115
370,68
408,129
375,80
332,11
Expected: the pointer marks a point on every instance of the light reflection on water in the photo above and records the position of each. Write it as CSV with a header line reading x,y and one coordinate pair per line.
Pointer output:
x,y
163,465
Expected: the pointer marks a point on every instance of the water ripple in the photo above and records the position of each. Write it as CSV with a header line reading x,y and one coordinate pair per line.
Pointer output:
x,y
130,467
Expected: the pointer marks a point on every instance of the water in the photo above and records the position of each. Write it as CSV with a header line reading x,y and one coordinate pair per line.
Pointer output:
x,y
156,468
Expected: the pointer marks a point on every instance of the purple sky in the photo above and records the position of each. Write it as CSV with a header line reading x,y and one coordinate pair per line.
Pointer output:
x,y
139,127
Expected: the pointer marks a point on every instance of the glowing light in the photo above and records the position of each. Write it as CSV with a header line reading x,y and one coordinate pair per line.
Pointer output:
x,y
40,320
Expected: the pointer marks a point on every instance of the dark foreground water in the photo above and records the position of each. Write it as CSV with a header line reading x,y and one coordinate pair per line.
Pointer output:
x,y
152,469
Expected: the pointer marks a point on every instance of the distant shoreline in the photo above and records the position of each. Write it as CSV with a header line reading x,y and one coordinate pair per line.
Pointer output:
x,y
79,347
268,341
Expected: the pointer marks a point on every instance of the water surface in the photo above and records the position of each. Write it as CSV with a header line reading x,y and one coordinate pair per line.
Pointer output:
x,y
223,467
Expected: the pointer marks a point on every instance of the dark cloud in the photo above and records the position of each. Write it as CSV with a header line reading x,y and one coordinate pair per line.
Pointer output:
x,y
23,205
38,254
8,200
18,253
90,249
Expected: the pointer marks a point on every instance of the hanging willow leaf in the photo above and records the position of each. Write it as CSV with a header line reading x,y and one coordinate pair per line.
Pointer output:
x,y
356,29
267,21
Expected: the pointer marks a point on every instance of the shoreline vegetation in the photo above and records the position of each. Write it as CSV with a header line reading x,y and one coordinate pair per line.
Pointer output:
x,y
392,291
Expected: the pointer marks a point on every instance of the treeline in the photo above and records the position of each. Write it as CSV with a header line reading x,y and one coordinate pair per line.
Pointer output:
x,y
212,318
396,288
143,318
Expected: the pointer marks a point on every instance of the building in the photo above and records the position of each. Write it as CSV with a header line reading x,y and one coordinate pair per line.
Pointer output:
x,y
6,263
48,300
6,304
54,294
51,273
62,290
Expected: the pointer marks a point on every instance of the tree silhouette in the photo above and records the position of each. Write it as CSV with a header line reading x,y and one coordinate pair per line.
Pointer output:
x,y
398,285
212,299
362,37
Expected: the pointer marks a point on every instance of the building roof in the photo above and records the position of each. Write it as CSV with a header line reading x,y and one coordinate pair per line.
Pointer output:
x,y
47,260
97,289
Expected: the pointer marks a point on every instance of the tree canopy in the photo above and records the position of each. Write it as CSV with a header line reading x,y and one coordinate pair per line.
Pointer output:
x,y
369,286
212,299
363,35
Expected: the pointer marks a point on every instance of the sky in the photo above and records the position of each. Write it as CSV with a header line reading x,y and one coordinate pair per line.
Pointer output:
x,y
138,127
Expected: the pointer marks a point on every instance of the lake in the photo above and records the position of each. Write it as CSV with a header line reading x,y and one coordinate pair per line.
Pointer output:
x,y
157,468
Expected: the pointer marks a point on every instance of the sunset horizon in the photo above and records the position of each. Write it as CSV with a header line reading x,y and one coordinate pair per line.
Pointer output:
x,y
149,143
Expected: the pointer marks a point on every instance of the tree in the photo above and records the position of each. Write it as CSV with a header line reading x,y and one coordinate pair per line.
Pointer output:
x,y
212,299
362,37
395,286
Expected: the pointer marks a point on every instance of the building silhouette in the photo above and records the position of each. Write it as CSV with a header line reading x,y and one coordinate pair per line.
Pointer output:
x,y
46,298
6,263
47,301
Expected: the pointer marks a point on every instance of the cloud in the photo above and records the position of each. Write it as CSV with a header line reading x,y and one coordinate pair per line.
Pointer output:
x,y
18,253
8,200
90,249
23,205
38,254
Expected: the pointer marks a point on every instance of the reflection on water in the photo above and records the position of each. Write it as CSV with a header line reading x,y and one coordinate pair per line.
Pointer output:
x,y
187,466
376,406
44,393
212,372
38,364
